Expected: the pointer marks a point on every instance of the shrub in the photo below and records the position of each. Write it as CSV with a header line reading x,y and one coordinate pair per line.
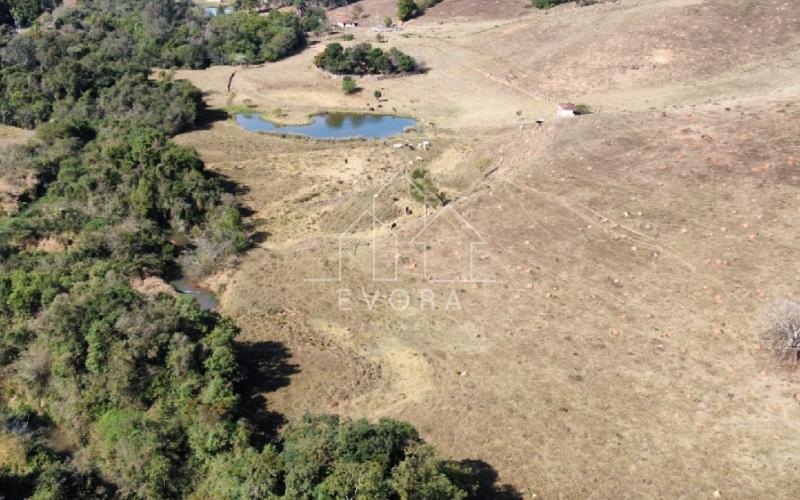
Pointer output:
x,y
546,4
349,85
424,189
377,94
782,332
407,9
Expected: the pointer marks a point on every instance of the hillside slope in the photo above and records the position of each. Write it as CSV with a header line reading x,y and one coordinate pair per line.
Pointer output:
x,y
614,349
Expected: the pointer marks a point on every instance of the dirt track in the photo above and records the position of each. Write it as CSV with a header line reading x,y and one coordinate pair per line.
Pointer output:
x,y
608,343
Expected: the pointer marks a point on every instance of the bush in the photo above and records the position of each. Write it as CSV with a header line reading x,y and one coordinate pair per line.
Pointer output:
x,y
423,189
407,9
546,4
782,332
349,85
242,474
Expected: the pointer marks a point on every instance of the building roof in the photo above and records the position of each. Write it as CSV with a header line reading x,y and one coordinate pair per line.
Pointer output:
x,y
568,106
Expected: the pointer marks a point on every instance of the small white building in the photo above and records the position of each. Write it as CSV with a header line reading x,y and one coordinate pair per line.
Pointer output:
x,y
347,23
565,109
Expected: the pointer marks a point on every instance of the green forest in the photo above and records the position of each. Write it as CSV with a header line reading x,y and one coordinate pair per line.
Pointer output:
x,y
108,393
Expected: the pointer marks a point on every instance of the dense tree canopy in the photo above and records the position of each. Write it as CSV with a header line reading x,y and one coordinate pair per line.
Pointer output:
x,y
364,59
244,38
94,47
21,13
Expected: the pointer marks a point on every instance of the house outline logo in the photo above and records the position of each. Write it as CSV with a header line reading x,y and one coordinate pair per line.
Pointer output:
x,y
473,244
394,243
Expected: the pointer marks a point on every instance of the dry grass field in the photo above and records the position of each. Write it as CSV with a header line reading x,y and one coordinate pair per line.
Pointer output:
x,y
13,135
584,316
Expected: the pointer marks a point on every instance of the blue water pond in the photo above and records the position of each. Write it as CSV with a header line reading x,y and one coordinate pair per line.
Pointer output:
x,y
207,299
332,125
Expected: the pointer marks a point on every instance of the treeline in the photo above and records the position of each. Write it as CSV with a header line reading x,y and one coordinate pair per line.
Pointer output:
x,y
364,59
304,4
546,4
109,393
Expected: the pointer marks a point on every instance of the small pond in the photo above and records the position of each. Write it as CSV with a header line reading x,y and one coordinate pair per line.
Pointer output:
x,y
207,300
332,125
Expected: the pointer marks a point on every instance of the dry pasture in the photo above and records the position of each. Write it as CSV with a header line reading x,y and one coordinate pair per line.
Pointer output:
x,y
606,343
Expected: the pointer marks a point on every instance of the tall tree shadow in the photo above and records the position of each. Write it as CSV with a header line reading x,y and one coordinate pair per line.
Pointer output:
x,y
208,116
266,369
485,477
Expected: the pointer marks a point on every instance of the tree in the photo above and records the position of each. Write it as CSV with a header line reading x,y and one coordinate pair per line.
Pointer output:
x,y
349,85
327,458
387,22
23,12
133,452
377,94
300,6
423,475
407,9
315,20
242,474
